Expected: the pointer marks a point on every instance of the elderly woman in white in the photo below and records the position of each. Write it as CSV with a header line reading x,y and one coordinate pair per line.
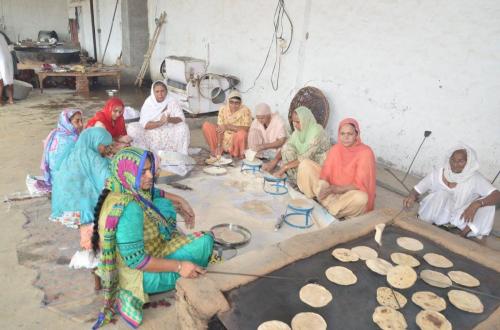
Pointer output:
x,y
458,195
162,124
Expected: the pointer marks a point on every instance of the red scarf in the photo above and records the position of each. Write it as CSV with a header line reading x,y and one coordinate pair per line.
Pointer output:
x,y
104,116
353,165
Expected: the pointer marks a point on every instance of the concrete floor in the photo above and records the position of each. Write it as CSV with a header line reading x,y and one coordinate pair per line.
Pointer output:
x,y
22,128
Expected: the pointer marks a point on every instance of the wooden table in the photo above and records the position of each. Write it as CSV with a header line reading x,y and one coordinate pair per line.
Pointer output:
x,y
80,76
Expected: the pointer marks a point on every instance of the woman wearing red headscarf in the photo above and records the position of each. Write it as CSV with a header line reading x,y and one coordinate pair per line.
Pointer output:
x,y
111,118
345,185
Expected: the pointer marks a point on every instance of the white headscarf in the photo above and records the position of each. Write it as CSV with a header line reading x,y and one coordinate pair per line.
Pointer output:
x,y
471,167
262,109
151,109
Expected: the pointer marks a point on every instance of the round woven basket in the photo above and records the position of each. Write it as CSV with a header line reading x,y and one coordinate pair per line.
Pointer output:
x,y
315,100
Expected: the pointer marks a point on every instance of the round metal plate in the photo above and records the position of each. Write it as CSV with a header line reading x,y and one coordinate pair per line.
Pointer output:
x,y
315,100
247,235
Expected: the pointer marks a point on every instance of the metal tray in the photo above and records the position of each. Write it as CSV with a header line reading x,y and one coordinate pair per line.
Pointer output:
x,y
247,235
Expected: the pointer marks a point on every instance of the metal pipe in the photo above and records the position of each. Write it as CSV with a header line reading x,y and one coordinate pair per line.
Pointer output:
x,y
93,28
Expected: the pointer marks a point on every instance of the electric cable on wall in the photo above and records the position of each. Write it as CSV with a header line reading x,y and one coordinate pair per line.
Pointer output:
x,y
281,47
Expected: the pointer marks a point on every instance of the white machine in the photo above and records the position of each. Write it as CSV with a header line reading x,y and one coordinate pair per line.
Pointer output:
x,y
196,90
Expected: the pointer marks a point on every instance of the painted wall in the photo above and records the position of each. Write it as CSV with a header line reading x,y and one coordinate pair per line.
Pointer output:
x,y
24,18
400,67
103,14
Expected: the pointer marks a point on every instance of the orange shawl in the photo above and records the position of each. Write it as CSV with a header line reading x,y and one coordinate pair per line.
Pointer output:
x,y
353,165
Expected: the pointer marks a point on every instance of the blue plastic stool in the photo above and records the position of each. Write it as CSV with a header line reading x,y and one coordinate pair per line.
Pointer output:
x,y
296,210
276,184
250,167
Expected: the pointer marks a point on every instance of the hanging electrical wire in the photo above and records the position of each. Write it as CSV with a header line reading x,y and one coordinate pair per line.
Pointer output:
x,y
280,44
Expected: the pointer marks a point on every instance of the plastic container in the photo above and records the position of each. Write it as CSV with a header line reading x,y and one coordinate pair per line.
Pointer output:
x,y
21,89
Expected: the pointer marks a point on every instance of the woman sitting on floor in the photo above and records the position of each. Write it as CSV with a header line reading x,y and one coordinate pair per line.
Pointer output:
x,y
142,250
230,133
458,195
345,185
308,141
80,180
111,118
162,125
60,142
267,132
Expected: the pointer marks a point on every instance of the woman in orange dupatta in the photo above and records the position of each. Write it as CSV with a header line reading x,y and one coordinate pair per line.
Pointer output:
x,y
230,133
345,185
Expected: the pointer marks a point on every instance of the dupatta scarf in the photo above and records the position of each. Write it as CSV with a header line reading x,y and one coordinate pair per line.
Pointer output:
x,y
309,130
104,116
351,165
58,144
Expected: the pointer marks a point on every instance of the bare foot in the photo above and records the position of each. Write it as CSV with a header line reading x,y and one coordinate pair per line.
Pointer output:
x,y
465,231
11,101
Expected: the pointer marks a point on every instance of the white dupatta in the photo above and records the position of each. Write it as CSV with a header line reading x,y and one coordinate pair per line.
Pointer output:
x,y
152,110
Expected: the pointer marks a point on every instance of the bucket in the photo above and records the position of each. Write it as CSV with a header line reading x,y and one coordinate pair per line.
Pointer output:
x,y
21,89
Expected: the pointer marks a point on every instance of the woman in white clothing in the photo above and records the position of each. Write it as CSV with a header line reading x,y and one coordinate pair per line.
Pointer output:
x,y
458,194
6,70
162,124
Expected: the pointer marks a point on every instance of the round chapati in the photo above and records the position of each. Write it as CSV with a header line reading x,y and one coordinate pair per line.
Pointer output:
x,y
385,297
345,255
409,243
404,259
379,266
438,260
463,278
308,321
365,252
341,275
389,318
214,170
273,325
465,301
401,277
431,320
315,295
429,301
434,278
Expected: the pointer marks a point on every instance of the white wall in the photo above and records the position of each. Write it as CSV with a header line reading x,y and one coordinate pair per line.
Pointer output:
x,y
399,67
24,18
103,14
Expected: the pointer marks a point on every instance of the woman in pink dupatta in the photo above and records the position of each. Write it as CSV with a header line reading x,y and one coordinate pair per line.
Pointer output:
x,y
345,185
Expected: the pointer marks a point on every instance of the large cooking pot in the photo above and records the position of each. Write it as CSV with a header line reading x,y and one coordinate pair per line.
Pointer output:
x,y
48,54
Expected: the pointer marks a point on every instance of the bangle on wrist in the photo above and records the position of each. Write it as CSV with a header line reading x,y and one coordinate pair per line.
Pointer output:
x,y
179,267
481,202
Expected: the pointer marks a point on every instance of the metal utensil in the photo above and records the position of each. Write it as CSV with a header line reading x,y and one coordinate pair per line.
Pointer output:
x,y
275,277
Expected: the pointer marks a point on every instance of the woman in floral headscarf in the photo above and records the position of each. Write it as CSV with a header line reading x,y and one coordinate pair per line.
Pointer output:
x,y
136,231
60,142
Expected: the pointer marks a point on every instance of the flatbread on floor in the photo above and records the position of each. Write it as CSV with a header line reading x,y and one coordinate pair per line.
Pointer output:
x,y
438,260
387,297
465,301
379,266
401,277
214,170
308,321
345,255
315,295
389,318
434,278
428,300
463,278
365,252
341,275
404,259
431,320
410,244
274,325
